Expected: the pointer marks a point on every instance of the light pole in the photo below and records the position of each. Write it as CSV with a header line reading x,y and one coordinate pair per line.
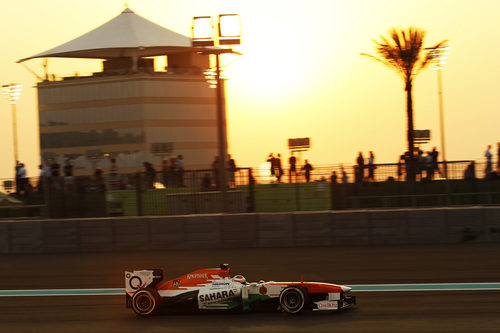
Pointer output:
x,y
441,54
12,91
227,33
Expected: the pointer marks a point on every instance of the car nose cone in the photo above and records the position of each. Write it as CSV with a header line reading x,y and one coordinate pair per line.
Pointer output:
x,y
346,288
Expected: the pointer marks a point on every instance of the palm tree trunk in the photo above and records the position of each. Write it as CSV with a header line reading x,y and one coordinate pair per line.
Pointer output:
x,y
412,163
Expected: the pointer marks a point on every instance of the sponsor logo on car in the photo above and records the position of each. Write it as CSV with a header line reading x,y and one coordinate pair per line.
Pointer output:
x,y
327,305
197,276
176,283
216,297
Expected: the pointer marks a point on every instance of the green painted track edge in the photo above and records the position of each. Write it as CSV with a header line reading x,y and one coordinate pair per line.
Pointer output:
x,y
355,288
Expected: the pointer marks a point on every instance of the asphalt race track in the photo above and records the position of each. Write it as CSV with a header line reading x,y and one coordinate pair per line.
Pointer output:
x,y
436,311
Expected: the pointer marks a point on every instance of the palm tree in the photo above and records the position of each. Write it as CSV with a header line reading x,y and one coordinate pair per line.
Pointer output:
x,y
404,52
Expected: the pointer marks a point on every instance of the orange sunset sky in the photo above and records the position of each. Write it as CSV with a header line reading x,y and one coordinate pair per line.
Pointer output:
x,y
301,73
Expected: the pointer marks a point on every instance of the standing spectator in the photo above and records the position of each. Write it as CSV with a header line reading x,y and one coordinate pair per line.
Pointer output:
x,y
401,162
434,161
232,170
113,170
371,167
278,169
487,154
429,166
360,161
420,163
150,174
307,168
68,175
114,182
180,171
469,172
272,163
47,168
18,180
21,178
172,179
345,180
292,161
55,169
333,177
68,169
97,184
42,177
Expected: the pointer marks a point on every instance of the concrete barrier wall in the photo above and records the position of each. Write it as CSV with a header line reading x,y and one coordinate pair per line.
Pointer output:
x,y
293,229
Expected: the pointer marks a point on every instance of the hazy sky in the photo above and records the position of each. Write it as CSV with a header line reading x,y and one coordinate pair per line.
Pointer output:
x,y
301,74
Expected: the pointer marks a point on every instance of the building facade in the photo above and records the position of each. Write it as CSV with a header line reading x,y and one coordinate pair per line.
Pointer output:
x,y
132,117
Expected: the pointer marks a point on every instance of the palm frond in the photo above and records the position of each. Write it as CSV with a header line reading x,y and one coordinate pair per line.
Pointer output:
x,y
404,51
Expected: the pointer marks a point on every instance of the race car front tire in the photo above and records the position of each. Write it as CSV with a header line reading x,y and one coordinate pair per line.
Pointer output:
x,y
145,302
293,299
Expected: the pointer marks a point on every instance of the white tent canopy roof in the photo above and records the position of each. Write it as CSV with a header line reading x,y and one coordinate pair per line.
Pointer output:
x,y
126,35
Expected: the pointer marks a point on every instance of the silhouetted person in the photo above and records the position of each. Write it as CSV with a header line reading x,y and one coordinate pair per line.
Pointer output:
x,y
272,164
434,161
333,177
68,169
113,170
488,156
420,163
150,174
68,175
278,169
401,162
97,184
307,169
232,171
345,179
21,180
16,173
469,172
42,177
180,171
172,179
360,167
429,166
292,161
115,182
55,169
371,167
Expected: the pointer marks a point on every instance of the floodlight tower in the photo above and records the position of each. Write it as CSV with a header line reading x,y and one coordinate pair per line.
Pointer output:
x,y
441,54
12,92
204,35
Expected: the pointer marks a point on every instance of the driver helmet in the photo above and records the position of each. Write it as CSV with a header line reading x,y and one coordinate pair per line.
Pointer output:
x,y
239,278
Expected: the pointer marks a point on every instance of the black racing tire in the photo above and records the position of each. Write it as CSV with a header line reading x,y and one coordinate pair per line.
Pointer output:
x,y
293,299
145,302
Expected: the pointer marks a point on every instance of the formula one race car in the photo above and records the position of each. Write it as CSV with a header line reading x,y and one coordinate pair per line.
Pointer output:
x,y
214,289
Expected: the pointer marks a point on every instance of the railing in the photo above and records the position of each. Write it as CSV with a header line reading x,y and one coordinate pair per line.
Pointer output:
x,y
197,191
380,172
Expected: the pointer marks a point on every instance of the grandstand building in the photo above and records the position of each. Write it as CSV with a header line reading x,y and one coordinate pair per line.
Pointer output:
x,y
128,111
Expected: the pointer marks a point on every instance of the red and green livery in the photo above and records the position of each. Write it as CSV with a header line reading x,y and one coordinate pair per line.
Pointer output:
x,y
215,289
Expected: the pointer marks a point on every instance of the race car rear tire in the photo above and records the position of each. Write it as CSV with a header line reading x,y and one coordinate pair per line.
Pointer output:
x,y
145,302
293,299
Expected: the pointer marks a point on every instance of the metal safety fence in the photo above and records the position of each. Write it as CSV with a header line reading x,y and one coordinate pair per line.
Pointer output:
x,y
247,190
